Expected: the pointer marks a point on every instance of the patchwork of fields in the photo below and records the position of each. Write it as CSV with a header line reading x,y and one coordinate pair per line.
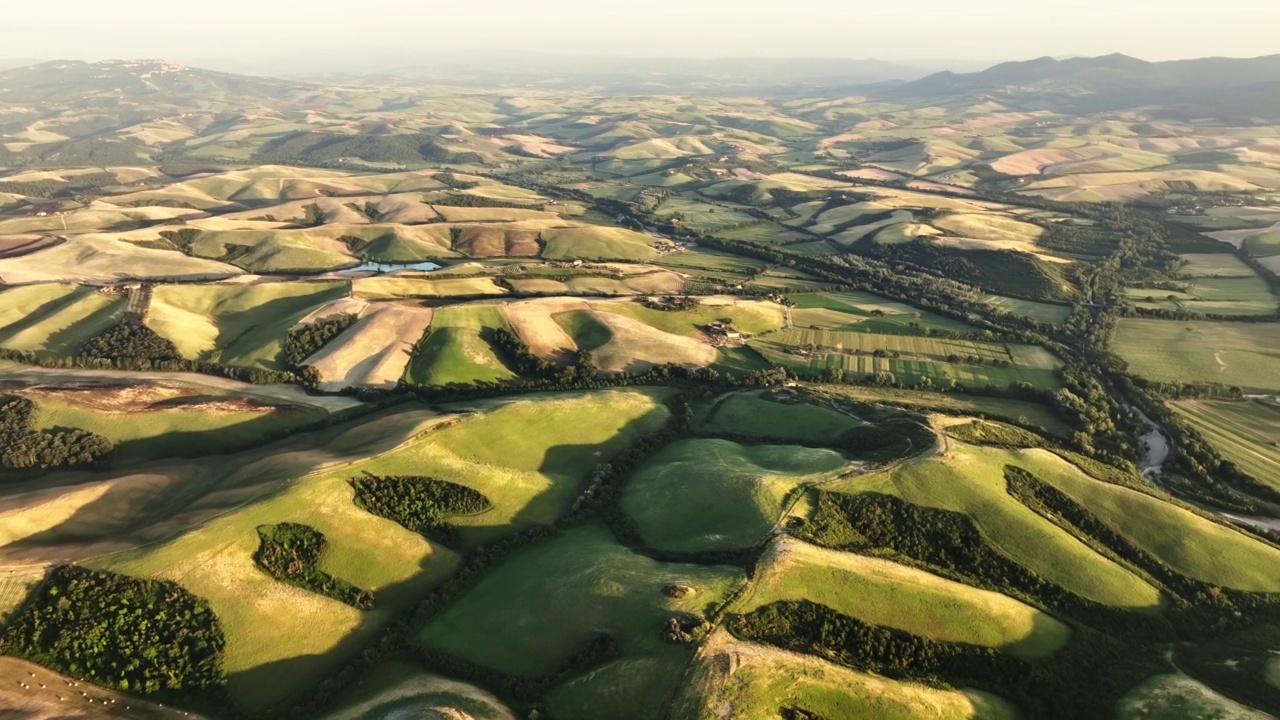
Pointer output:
x,y
583,404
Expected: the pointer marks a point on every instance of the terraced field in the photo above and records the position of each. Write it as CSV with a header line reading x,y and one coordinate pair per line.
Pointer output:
x,y
911,359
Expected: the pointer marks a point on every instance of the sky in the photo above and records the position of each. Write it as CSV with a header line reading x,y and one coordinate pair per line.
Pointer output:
x,y
249,32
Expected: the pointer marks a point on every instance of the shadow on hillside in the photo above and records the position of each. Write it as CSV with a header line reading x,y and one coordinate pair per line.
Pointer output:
x,y
218,482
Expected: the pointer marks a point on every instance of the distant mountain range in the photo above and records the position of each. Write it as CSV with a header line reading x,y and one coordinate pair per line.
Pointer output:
x,y
156,82
1193,88
1239,89
639,75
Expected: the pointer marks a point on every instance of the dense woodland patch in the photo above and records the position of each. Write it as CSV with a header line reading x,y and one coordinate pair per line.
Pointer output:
x,y
22,446
420,504
130,341
290,552
141,636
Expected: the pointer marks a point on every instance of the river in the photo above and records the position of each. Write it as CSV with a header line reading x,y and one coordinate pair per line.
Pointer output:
x,y
1158,448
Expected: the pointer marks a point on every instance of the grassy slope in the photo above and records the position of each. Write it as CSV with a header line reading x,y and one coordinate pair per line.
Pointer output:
x,y
756,413
598,243
750,317
236,324
1183,540
528,456
886,593
399,687
55,318
970,480
745,681
151,434
587,332
280,638
1034,413
540,606
456,352
716,494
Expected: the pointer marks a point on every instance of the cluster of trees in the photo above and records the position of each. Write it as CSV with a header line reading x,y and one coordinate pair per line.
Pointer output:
x,y
987,432
420,504
24,447
290,552
55,187
304,341
479,201
1078,240
130,341
520,358
139,636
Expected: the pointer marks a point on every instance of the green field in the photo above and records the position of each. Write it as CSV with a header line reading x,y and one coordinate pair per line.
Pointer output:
x,y
236,324
753,681
885,593
1177,697
759,414
1246,432
698,259
540,606
270,251
1190,544
763,233
717,494
548,446
268,623
186,425
918,358
1020,411
530,455
1215,265
1245,355
597,243
456,351
970,480
1041,312
865,312
751,317
1210,296
700,216
587,332
55,318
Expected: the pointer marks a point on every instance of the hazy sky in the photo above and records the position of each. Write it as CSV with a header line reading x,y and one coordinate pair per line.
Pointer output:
x,y
253,30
